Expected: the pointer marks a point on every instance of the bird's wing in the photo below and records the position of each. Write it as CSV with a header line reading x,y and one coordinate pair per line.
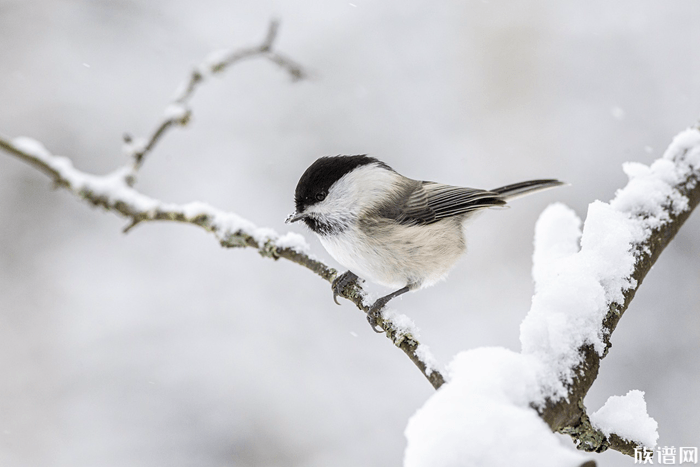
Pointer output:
x,y
430,202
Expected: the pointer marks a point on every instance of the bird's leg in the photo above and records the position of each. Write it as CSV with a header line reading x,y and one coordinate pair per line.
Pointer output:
x,y
376,308
340,282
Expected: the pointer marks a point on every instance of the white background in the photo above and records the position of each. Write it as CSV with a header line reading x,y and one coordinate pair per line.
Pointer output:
x,y
161,348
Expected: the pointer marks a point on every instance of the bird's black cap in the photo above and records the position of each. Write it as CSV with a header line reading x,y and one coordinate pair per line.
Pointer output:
x,y
314,184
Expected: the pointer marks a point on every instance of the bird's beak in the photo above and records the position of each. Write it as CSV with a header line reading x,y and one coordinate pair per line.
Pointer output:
x,y
293,217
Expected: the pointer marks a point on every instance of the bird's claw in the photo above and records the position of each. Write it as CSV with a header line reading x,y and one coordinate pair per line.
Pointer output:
x,y
340,283
373,314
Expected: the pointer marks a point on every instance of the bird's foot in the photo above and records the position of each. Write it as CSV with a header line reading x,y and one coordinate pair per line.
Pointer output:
x,y
341,282
375,313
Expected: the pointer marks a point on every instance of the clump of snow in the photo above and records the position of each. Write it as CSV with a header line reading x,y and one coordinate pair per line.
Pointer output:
x,y
230,223
177,112
226,224
195,209
574,288
627,417
607,246
111,187
426,356
557,235
60,164
482,417
650,190
264,234
402,323
686,146
293,241
653,188
31,146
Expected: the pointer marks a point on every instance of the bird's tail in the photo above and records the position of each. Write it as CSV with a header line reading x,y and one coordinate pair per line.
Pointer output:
x,y
516,190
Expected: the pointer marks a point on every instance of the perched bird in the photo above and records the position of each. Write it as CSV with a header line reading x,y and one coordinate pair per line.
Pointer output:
x,y
390,229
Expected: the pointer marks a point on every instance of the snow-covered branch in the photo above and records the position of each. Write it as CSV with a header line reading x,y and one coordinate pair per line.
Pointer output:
x,y
115,192
584,282
620,243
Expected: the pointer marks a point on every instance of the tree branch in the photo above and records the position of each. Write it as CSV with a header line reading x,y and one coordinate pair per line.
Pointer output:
x,y
114,192
178,112
568,415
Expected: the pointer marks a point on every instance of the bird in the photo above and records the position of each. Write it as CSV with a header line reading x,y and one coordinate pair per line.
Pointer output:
x,y
389,229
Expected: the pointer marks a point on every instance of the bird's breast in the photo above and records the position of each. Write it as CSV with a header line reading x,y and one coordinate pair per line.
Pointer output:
x,y
396,255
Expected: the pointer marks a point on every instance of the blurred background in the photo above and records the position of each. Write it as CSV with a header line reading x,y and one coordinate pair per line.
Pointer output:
x,y
160,348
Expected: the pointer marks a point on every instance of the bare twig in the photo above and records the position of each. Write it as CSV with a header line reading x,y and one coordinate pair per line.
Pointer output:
x,y
178,112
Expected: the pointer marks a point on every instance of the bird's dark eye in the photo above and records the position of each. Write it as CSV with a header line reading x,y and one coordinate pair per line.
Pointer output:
x,y
320,196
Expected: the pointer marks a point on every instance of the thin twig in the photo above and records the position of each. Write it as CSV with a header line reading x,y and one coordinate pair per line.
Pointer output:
x,y
178,112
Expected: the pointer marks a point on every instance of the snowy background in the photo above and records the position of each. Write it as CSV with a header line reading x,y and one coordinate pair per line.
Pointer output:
x,y
160,348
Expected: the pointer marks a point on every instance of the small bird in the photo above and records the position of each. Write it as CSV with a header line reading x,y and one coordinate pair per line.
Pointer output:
x,y
392,230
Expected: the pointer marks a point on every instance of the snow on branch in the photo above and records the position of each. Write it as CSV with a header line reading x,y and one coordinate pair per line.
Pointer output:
x,y
115,192
620,243
501,407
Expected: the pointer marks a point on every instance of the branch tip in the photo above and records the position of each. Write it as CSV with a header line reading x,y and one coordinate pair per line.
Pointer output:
x,y
271,35
131,225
